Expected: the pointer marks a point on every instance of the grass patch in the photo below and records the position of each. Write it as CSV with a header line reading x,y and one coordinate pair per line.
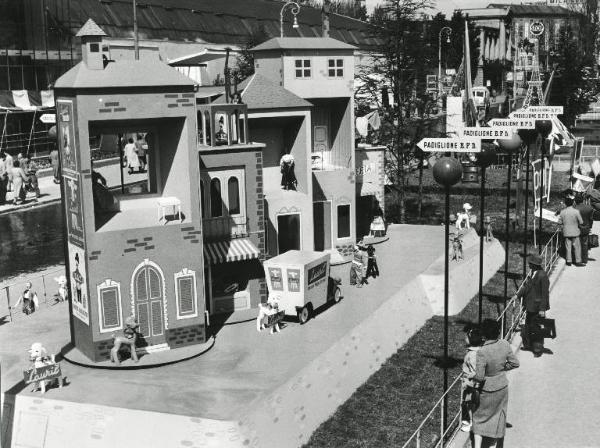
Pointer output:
x,y
389,406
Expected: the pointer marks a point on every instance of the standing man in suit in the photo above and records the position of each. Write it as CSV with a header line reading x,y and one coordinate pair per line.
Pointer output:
x,y
536,301
570,219
587,214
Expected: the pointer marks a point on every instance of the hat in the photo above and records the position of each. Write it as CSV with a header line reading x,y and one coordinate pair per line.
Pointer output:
x,y
487,219
535,260
467,206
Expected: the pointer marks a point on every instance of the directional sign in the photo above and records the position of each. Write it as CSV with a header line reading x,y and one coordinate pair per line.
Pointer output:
x,y
450,145
48,118
526,115
486,133
509,123
557,110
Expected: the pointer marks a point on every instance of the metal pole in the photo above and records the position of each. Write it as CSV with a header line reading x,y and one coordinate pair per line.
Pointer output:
x,y
482,236
136,45
542,152
446,275
506,243
6,288
439,80
526,226
119,136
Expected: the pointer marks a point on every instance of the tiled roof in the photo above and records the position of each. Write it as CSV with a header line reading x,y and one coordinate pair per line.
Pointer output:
x,y
259,92
532,10
124,73
213,21
90,29
303,43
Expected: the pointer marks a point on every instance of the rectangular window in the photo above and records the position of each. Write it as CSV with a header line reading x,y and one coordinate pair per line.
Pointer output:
x,y
186,295
335,68
109,306
303,68
343,221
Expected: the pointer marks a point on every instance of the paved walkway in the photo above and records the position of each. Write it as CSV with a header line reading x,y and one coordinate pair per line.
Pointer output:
x,y
554,399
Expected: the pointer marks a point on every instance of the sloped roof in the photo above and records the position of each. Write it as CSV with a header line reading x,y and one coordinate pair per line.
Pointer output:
x,y
532,10
90,29
123,73
212,21
303,43
259,92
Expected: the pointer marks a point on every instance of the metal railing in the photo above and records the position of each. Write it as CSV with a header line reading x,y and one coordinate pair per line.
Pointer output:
x,y
225,227
510,319
44,285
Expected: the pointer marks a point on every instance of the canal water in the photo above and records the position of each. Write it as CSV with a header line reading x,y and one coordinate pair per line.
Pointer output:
x,y
31,240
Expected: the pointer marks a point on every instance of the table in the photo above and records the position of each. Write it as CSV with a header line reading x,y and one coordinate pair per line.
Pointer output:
x,y
168,202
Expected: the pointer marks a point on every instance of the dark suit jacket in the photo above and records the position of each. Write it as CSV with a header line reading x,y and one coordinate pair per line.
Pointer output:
x,y
587,214
536,292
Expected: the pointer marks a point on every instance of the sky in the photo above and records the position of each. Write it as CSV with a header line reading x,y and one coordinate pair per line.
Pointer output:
x,y
448,6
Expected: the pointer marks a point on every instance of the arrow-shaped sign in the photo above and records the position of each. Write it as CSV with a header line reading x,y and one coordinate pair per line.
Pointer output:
x,y
526,115
513,123
48,118
556,110
450,145
486,133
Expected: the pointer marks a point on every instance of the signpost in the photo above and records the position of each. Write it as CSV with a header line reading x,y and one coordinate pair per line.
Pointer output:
x,y
486,133
527,115
513,123
450,145
48,118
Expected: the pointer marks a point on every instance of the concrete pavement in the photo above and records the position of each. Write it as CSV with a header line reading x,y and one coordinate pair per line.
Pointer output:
x,y
554,399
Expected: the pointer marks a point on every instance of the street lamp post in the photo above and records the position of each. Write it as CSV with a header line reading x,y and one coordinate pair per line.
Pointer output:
x,y
295,10
448,31
509,147
447,171
528,136
136,43
544,127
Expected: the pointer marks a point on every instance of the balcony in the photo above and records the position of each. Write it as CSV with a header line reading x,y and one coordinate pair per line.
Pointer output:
x,y
225,227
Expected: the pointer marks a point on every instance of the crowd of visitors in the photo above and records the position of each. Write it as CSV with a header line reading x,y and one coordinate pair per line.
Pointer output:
x,y
576,220
18,176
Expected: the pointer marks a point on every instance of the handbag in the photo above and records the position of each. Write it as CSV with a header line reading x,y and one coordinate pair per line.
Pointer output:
x,y
544,327
593,240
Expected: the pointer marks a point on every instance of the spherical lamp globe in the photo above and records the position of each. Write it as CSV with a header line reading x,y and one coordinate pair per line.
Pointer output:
x,y
510,145
529,136
544,127
447,171
52,132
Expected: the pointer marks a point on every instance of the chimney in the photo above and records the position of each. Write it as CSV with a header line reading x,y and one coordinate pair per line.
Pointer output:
x,y
91,45
325,18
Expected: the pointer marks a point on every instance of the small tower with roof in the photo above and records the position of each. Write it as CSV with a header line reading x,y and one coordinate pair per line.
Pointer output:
x,y
91,45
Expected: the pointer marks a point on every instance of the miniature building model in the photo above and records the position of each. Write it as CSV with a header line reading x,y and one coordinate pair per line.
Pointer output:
x,y
136,248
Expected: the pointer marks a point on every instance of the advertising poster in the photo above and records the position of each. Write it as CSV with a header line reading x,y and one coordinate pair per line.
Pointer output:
x,y
316,273
293,277
66,137
79,287
276,280
74,209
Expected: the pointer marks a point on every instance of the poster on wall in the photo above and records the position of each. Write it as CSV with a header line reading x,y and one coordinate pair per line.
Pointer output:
x,y
293,276
276,280
79,289
66,137
74,209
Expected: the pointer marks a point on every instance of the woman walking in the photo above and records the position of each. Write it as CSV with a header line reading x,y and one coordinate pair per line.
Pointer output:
x,y
19,179
494,358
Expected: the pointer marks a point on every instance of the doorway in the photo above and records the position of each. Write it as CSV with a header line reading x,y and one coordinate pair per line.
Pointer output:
x,y
322,225
149,298
288,232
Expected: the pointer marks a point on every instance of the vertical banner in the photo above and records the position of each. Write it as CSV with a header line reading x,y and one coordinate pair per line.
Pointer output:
x,y
74,209
66,137
537,182
79,286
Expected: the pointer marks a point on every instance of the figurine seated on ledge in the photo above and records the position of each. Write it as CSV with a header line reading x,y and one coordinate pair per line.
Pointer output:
x,y
128,340
288,177
44,370
464,218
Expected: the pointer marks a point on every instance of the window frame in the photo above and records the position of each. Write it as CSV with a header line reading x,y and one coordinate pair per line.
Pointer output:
x,y
186,273
106,285
223,175
335,68
302,68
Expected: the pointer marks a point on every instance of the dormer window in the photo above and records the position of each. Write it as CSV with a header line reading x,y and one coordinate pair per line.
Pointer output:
x,y
303,68
94,47
335,68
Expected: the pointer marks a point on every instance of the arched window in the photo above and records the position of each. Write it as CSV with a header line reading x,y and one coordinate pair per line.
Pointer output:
x,y
202,199
216,204
233,191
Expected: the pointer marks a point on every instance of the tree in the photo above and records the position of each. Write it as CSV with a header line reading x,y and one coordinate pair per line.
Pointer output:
x,y
350,8
244,65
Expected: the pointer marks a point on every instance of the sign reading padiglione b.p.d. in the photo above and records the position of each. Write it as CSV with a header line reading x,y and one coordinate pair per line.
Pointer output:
x,y
450,145
486,133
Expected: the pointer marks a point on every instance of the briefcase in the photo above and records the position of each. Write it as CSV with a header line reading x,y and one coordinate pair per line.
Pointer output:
x,y
593,240
543,327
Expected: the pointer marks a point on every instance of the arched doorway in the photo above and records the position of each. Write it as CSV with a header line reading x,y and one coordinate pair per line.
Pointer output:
x,y
148,297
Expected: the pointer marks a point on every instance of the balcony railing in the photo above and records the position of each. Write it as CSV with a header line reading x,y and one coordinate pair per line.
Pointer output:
x,y
225,227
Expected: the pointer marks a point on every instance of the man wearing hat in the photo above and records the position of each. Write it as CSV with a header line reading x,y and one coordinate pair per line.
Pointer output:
x,y
570,219
535,292
587,214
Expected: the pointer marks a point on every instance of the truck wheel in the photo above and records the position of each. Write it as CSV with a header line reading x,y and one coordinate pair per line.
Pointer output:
x,y
337,295
304,315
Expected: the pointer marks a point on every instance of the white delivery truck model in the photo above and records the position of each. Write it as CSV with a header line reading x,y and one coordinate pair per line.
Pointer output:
x,y
300,280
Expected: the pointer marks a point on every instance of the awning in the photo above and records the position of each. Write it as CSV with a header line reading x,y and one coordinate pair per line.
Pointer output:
x,y
26,100
202,57
227,251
